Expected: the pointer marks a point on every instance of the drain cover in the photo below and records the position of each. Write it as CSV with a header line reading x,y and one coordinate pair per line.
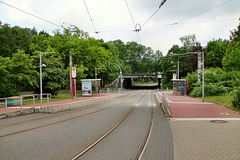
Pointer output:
x,y
218,121
224,113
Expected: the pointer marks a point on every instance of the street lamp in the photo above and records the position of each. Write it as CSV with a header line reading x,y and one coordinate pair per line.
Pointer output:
x,y
42,65
96,72
120,72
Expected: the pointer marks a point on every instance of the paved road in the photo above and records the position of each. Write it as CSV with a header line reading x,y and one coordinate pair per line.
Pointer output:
x,y
62,135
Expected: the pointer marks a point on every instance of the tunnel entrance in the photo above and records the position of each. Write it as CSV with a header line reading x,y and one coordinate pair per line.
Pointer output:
x,y
129,81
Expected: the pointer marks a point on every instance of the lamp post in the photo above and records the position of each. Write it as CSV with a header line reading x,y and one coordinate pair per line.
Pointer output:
x,y
120,72
42,65
96,72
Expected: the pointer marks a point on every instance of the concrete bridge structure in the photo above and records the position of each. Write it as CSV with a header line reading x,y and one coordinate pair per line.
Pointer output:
x,y
128,80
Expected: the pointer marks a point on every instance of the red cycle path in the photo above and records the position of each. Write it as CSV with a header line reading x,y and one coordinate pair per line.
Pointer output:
x,y
59,103
188,107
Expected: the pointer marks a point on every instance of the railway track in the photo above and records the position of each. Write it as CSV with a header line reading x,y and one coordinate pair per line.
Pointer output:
x,y
81,134
122,100
110,131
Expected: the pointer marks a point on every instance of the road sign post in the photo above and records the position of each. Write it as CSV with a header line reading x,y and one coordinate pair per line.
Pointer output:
x,y
74,75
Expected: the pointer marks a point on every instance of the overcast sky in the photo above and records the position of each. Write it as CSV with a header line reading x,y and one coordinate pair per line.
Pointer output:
x,y
174,19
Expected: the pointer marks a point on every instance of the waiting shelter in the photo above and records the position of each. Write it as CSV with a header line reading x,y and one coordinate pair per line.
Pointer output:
x,y
88,84
179,86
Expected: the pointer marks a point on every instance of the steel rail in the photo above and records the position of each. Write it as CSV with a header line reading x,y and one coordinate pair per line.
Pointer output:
x,y
45,117
108,132
149,133
68,119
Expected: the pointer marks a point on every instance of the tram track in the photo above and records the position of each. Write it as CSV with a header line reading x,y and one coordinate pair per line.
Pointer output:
x,y
145,141
55,115
144,146
64,120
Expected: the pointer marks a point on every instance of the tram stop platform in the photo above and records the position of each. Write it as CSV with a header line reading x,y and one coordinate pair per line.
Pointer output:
x,y
186,108
55,106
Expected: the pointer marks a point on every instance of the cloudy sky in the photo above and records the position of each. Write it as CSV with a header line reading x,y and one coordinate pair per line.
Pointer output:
x,y
208,19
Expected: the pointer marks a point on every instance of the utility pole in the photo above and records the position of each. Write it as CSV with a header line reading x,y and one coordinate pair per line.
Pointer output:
x,y
42,65
178,76
70,68
203,76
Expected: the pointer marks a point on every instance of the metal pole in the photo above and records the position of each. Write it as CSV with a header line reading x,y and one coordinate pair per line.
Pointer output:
x,y
21,103
70,61
178,76
41,78
203,76
95,73
6,107
48,101
34,102
120,73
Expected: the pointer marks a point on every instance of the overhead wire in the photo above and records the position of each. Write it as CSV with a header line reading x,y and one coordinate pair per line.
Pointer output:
x,y
31,14
95,31
136,26
130,13
204,11
161,4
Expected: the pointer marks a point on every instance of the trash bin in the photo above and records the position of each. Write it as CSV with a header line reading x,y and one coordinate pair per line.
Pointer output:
x,y
14,101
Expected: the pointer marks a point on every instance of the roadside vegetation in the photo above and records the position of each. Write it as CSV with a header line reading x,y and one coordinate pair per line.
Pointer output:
x,y
20,49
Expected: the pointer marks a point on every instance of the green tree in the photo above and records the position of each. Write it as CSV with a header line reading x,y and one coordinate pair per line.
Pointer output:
x,y
235,34
215,52
232,58
189,42
14,38
53,75
7,87
23,71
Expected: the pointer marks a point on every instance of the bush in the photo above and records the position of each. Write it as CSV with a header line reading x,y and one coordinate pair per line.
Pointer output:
x,y
210,89
8,90
236,98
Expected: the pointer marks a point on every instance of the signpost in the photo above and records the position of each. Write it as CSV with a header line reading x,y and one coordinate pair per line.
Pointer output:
x,y
74,75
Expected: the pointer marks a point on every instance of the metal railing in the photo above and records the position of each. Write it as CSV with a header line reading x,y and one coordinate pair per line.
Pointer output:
x,y
166,104
17,101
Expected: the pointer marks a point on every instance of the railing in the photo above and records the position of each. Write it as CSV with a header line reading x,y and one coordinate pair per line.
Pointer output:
x,y
18,101
166,104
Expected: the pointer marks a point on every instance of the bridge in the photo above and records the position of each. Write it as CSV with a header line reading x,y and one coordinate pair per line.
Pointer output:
x,y
128,80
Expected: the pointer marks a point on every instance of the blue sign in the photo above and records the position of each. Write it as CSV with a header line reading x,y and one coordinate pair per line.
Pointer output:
x,y
86,88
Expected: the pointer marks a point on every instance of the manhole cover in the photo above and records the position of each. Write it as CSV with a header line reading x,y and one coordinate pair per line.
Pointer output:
x,y
224,113
218,121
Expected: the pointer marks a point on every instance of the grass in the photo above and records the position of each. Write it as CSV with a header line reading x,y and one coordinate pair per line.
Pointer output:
x,y
223,100
54,98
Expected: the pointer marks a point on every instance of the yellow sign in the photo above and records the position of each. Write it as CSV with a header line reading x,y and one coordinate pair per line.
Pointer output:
x,y
174,76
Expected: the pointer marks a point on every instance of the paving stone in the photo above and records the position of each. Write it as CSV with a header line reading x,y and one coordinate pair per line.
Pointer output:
x,y
203,140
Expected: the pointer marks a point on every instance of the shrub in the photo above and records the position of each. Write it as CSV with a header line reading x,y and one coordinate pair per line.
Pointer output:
x,y
210,89
8,90
236,98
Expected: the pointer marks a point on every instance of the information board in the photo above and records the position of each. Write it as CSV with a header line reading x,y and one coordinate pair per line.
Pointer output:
x,y
86,88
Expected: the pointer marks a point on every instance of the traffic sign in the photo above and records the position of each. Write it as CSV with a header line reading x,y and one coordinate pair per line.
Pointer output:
x,y
74,72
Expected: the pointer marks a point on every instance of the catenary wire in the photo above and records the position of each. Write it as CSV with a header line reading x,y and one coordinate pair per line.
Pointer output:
x,y
154,12
204,11
95,31
130,13
135,25
30,14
